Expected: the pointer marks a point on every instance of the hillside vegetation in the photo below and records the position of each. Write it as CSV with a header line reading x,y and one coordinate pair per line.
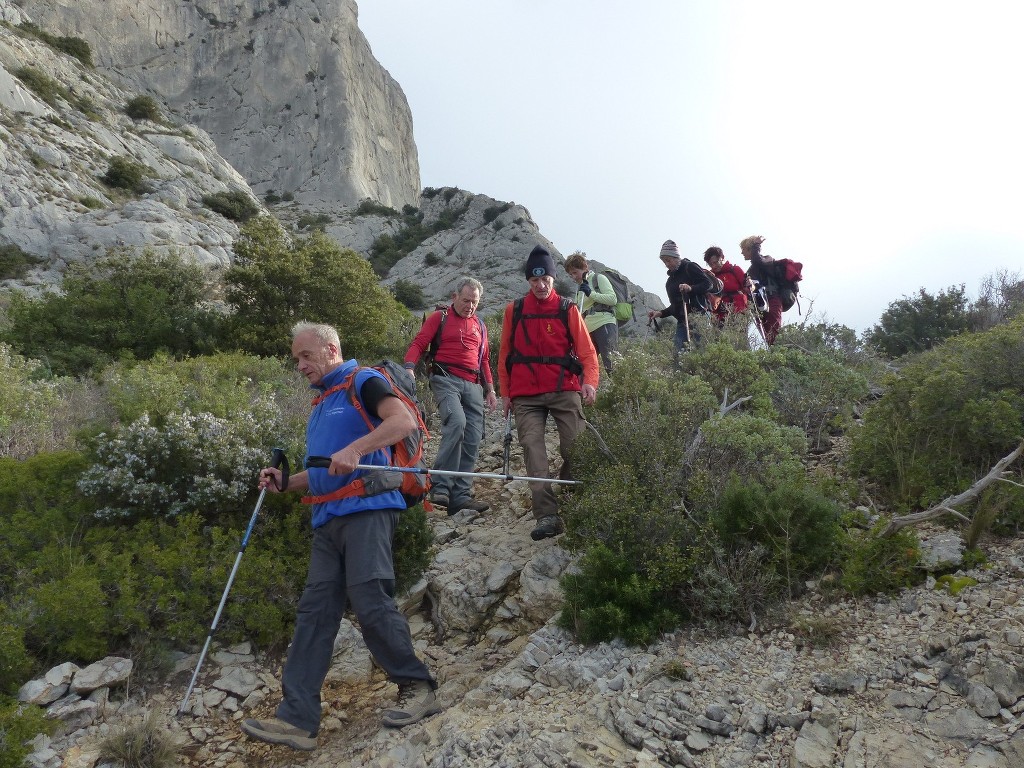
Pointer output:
x,y
139,402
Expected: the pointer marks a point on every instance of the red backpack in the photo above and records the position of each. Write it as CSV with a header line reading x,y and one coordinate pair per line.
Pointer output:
x,y
788,273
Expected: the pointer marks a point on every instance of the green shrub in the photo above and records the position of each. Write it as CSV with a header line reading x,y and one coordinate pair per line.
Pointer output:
x,y
388,250
41,84
125,173
315,221
143,108
814,392
409,293
15,662
120,306
276,281
920,323
740,371
73,46
93,203
752,447
224,385
795,523
235,205
880,564
370,207
945,419
69,616
19,724
431,259
29,406
15,263
608,599
412,549
494,211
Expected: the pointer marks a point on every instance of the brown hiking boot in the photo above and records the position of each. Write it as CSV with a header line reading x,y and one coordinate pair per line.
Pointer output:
x,y
416,700
276,731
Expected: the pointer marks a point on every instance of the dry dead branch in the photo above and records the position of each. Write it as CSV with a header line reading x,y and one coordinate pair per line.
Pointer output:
x,y
947,506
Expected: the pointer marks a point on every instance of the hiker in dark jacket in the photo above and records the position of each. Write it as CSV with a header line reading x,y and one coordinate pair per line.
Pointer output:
x,y
734,284
687,289
764,276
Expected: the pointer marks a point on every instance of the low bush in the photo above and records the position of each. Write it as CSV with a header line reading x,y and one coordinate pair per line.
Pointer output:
x,y
143,744
608,599
15,263
409,293
143,108
41,84
125,173
879,564
235,205
20,723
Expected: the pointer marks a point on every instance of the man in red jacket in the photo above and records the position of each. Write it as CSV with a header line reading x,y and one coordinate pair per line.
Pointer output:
x,y
454,340
547,365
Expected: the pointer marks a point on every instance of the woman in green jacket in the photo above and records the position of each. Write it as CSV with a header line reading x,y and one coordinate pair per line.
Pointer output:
x,y
595,298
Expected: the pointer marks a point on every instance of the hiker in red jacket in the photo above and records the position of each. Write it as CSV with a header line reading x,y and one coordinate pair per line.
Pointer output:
x,y
734,282
771,321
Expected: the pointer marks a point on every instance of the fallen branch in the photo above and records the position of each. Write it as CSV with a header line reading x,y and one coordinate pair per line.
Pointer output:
x,y
946,505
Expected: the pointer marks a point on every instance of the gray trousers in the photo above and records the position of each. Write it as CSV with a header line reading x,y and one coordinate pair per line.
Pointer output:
x,y
351,565
460,404
606,341
566,408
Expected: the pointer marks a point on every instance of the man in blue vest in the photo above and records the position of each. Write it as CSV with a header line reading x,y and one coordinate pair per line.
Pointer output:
x,y
351,561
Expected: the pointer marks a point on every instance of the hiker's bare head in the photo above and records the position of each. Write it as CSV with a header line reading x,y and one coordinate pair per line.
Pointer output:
x,y
751,246
577,260
316,350
714,256
467,296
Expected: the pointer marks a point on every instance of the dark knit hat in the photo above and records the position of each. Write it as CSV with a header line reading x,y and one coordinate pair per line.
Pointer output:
x,y
669,248
539,263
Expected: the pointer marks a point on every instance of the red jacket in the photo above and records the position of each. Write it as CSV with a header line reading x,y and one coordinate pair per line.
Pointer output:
x,y
545,335
462,349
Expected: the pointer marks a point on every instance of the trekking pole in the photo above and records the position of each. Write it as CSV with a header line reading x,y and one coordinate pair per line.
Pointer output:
x,y
508,443
325,461
277,459
686,323
757,316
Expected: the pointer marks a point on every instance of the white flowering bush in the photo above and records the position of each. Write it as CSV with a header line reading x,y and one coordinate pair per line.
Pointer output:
x,y
193,462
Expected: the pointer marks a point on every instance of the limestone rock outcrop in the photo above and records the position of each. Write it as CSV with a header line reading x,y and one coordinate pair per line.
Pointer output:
x,y
61,125
289,90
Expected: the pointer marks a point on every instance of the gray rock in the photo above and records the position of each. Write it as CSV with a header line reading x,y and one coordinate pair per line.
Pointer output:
x,y
50,687
814,747
110,672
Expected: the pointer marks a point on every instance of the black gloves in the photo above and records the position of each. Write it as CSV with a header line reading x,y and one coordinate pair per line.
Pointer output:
x,y
585,287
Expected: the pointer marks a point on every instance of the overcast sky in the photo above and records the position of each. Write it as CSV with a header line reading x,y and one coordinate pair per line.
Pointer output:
x,y
879,143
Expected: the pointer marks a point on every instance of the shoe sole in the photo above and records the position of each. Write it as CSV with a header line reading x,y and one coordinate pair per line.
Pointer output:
x,y
538,535
302,743
431,710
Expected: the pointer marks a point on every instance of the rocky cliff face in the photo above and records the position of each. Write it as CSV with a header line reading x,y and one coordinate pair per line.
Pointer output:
x,y
61,124
288,89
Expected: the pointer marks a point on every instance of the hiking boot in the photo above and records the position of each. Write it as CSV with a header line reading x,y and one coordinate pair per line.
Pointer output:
x,y
416,700
472,505
547,527
439,499
277,731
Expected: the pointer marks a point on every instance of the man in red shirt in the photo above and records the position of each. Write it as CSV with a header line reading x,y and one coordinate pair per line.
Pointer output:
x,y
454,341
547,365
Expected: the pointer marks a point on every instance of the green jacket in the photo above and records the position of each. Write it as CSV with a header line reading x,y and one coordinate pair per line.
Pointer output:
x,y
598,308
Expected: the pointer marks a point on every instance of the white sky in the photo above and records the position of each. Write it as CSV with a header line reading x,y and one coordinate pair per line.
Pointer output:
x,y
879,142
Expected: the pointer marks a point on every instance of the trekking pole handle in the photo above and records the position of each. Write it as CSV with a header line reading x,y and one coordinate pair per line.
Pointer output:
x,y
319,462
279,460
